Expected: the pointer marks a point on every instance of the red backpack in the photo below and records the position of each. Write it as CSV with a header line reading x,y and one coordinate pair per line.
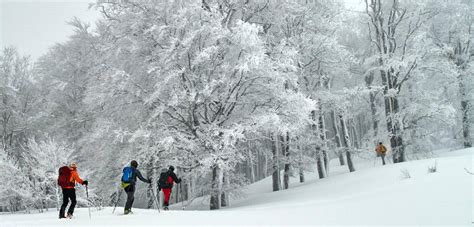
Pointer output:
x,y
64,176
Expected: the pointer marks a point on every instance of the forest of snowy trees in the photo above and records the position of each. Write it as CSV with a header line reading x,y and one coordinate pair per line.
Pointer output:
x,y
233,91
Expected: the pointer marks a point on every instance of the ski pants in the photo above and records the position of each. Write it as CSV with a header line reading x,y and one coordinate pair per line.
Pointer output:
x,y
166,193
130,190
383,158
68,194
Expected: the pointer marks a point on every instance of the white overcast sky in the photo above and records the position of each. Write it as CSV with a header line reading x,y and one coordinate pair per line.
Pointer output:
x,y
34,25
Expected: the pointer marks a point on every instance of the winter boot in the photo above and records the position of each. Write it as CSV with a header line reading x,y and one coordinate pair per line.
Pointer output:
x,y
129,211
165,208
69,216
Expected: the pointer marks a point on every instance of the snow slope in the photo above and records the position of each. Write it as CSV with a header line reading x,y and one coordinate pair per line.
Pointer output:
x,y
373,195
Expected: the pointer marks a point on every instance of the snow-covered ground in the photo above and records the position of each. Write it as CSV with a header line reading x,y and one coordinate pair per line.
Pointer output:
x,y
373,195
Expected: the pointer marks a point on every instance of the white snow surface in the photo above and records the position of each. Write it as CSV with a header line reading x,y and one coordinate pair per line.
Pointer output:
x,y
373,195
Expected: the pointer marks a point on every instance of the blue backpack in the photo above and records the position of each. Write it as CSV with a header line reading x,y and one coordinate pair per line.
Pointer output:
x,y
127,174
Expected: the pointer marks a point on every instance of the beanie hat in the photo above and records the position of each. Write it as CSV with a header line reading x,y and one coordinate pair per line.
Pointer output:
x,y
134,163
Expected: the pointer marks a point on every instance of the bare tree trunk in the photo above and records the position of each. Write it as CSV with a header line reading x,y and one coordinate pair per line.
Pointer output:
x,y
265,166
301,175
286,152
224,196
337,137
318,130
215,200
393,126
276,169
465,105
184,189
250,163
347,142
355,136
300,164
322,133
258,165
319,164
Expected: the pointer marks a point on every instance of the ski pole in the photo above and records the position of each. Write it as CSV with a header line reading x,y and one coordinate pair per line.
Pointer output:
x,y
89,205
118,199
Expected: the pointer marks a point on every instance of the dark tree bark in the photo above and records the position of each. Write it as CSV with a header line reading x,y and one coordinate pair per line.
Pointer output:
x,y
466,124
224,196
276,169
460,61
215,203
319,164
337,138
301,175
317,129
286,152
322,133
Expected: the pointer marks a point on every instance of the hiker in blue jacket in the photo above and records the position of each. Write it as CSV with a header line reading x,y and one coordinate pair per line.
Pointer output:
x,y
131,173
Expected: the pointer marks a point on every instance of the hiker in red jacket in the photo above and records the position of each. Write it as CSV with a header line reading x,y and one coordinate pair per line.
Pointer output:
x,y
165,183
68,177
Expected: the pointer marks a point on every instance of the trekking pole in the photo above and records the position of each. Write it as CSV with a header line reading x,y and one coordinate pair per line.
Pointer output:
x,y
156,200
118,199
89,205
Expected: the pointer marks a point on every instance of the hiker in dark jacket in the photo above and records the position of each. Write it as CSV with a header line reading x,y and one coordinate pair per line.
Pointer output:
x,y
165,183
130,187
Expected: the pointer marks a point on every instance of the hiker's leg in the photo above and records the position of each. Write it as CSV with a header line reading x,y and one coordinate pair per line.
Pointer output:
x,y
72,196
65,202
130,197
166,193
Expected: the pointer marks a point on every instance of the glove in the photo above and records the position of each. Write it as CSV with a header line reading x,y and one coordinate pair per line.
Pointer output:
x,y
149,180
85,182
179,180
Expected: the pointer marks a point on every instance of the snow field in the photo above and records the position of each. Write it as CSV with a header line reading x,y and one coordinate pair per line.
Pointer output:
x,y
379,195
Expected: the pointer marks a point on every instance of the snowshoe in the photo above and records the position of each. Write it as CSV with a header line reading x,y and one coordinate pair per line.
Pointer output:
x,y
165,208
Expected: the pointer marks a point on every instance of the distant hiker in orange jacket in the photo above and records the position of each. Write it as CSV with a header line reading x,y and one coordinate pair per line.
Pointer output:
x,y
68,177
381,151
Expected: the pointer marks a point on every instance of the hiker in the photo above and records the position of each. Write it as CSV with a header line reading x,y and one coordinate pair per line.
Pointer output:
x,y
381,151
68,177
165,183
129,179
